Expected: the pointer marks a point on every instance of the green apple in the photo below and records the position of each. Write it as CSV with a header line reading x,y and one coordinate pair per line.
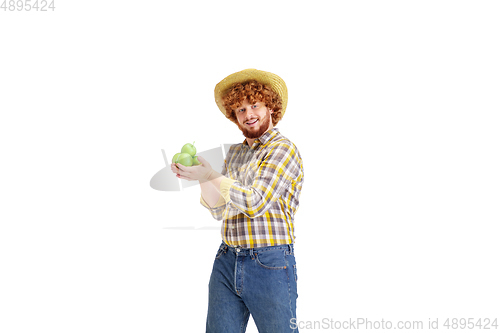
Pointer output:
x,y
189,148
195,160
185,159
174,159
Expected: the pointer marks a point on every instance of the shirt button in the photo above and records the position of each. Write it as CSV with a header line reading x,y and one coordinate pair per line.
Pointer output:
x,y
233,227
237,250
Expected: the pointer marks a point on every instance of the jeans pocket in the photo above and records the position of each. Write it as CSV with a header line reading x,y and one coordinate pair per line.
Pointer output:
x,y
273,259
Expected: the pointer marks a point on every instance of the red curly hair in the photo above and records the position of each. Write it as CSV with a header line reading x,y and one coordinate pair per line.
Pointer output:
x,y
253,91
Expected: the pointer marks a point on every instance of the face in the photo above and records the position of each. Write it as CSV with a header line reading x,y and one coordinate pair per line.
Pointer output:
x,y
253,119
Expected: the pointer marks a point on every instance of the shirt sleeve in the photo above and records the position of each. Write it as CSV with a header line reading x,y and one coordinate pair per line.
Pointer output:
x,y
278,170
216,210
225,185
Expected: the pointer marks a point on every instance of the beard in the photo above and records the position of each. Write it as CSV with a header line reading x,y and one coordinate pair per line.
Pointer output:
x,y
257,132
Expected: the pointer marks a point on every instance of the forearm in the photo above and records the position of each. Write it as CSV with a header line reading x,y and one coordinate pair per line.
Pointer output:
x,y
209,193
210,189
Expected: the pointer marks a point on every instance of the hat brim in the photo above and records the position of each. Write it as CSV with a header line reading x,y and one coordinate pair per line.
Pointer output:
x,y
272,80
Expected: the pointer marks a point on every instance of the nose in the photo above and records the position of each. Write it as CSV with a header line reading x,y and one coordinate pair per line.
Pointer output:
x,y
248,113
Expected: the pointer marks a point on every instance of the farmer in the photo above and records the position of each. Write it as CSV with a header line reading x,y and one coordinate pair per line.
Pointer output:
x,y
256,196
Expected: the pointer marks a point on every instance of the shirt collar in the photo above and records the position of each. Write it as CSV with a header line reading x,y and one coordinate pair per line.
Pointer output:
x,y
264,138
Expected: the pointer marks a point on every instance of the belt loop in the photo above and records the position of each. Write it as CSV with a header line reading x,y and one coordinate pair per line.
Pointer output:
x,y
290,248
251,253
223,247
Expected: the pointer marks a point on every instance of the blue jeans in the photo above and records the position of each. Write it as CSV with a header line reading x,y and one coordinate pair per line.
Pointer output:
x,y
260,281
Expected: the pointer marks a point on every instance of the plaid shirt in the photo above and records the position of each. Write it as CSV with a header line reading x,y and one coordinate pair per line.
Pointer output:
x,y
261,194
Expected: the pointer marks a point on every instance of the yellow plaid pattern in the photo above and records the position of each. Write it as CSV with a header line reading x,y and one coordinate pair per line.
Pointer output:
x,y
261,196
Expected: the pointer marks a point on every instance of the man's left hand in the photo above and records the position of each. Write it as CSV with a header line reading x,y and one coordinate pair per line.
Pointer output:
x,y
197,172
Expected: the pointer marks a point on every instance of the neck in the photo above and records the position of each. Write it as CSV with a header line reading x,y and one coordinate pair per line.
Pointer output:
x,y
250,142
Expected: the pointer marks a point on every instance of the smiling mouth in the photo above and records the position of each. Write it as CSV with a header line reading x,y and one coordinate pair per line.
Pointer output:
x,y
252,122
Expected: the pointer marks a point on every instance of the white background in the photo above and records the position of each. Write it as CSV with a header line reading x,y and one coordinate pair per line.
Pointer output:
x,y
393,105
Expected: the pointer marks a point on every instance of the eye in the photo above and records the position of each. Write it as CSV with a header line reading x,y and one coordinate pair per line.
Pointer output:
x,y
254,106
241,110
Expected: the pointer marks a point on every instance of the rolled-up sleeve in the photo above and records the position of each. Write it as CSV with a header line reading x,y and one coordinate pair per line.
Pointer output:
x,y
216,210
225,185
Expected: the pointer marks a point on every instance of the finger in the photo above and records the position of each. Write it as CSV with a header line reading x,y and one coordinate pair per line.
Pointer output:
x,y
184,172
184,177
203,161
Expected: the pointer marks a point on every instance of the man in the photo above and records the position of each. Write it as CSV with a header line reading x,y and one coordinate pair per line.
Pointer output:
x,y
256,196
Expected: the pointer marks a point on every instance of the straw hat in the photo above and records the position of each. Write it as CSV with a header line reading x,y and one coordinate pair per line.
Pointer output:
x,y
272,80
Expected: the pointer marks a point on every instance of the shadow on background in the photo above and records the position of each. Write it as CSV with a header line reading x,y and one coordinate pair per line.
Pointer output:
x,y
165,179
